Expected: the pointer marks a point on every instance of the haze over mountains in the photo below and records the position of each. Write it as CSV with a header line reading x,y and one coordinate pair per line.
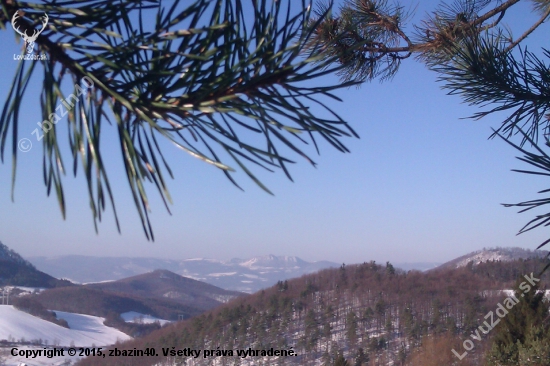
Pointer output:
x,y
245,275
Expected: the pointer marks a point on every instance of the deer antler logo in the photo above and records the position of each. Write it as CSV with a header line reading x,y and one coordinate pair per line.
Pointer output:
x,y
29,40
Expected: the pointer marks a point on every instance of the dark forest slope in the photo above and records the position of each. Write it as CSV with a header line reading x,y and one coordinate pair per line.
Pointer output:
x,y
163,284
16,271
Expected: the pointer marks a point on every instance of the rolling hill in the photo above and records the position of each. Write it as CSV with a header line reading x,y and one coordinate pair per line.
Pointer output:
x,y
23,331
96,302
163,284
158,294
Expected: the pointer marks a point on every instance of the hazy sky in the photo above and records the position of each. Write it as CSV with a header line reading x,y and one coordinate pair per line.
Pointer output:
x,y
421,184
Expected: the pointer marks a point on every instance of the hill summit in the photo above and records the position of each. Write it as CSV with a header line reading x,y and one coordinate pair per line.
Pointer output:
x,y
163,284
17,271
9,255
493,254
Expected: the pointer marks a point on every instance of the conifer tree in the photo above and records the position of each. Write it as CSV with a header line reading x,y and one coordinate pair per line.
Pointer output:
x,y
311,334
362,358
351,328
340,360
524,333
390,269
536,348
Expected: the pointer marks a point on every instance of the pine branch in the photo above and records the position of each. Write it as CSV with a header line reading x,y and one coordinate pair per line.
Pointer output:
x,y
201,88
365,42
529,31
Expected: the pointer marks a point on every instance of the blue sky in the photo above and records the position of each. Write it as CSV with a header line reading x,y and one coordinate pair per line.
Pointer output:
x,y
421,184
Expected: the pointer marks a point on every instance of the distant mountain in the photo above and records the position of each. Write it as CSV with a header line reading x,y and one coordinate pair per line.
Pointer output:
x,y
163,284
493,254
419,266
16,271
246,275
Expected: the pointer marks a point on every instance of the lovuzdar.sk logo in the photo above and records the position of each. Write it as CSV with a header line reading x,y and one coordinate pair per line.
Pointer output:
x,y
29,40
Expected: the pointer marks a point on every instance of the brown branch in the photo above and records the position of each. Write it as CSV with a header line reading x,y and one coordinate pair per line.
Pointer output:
x,y
431,44
495,23
529,31
493,12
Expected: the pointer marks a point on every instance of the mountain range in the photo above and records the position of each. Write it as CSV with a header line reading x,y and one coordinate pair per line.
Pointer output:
x,y
244,275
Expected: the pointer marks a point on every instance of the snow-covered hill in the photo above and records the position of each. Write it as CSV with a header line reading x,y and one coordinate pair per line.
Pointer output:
x,y
493,254
18,326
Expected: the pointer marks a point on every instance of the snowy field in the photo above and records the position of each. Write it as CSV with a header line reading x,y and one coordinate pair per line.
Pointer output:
x,y
86,330
16,325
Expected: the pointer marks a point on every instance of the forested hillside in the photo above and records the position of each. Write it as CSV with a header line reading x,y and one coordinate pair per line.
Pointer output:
x,y
16,271
365,314
163,284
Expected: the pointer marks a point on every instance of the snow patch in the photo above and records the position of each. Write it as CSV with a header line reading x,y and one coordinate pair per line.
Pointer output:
x,y
222,274
135,317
